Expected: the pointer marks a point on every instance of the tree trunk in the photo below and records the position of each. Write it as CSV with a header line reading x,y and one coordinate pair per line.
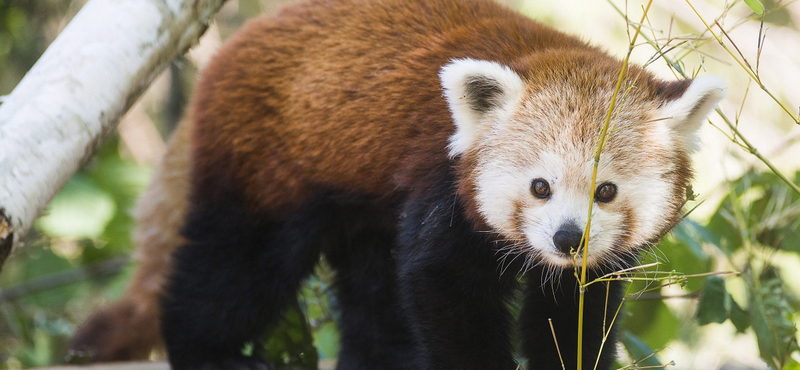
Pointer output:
x,y
76,93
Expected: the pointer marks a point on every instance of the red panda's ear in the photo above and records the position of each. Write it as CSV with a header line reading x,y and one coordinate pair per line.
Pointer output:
x,y
476,90
686,113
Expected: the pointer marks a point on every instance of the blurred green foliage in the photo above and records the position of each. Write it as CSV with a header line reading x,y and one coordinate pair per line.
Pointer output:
x,y
47,285
26,28
756,222
76,258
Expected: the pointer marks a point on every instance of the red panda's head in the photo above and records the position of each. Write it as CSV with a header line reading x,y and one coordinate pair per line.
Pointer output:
x,y
525,140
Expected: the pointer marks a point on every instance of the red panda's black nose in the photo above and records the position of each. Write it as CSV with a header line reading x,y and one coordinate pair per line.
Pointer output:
x,y
567,238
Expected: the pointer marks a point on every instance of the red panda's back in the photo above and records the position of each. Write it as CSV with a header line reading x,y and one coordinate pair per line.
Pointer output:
x,y
342,95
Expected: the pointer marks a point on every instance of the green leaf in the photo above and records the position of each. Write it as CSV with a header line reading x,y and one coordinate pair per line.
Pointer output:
x,y
723,226
123,180
652,321
291,343
717,305
755,5
715,302
326,339
771,314
40,352
80,210
760,208
739,317
639,350
682,251
693,235
43,264
792,364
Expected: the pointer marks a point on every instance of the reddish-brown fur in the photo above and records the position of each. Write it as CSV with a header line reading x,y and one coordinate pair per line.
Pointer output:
x,y
314,70
245,136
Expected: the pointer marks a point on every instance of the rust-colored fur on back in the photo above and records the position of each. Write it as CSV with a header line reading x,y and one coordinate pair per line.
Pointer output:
x,y
244,125
237,146
341,110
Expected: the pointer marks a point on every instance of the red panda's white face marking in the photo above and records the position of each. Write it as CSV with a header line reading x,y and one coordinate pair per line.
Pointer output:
x,y
533,150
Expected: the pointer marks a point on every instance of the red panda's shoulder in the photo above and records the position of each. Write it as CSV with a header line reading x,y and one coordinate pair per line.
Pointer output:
x,y
344,93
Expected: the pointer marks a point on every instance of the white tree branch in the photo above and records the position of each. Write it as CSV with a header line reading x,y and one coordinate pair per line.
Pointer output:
x,y
74,95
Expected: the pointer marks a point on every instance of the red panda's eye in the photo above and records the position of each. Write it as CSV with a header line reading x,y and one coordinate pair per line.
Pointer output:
x,y
540,188
605,192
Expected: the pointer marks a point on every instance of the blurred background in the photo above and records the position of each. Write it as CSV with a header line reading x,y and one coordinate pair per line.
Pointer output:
x,y
745,218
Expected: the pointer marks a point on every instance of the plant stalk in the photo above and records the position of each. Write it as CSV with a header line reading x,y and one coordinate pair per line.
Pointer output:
x,y
601,144
747,146
744,64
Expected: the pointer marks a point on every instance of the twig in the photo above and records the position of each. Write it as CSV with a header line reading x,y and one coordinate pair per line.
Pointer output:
x,y
600,146
109,267
661,297
672,63
558,350
752,150
742,63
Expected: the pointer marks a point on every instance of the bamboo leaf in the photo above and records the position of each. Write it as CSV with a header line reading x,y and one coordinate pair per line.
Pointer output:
x,y
755,5
739,317
652,321
692,234
291,344
792,365
639,350
326,339
682,251
770,314
771,215
715,302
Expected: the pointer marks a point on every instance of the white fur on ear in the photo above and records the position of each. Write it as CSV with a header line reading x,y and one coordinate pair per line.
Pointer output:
x,y
475,89
687,113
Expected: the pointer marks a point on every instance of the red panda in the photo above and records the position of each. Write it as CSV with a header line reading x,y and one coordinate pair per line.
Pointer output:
x,y
432,151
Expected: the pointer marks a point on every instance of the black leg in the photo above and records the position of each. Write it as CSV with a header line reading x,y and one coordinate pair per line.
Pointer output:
x,y
452,290
557,300
374,333
233,280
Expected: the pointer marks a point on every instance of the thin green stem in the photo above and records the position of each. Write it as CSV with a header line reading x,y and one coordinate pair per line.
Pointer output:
x,y
600,146
672,63
752,150
742,63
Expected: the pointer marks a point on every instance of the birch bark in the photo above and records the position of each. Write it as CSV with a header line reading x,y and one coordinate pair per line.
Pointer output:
x,y
75,94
